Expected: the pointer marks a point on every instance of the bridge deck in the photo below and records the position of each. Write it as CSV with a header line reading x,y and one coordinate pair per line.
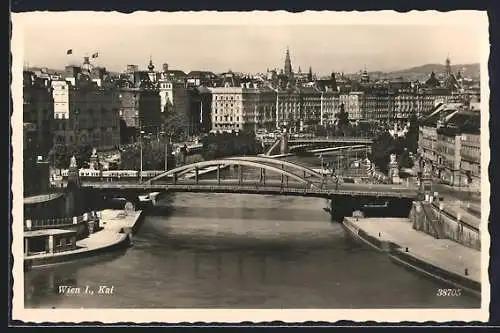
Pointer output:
x,y
329,190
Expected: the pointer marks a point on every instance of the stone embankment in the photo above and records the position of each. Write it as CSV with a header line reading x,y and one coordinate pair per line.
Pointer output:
x,y
442,259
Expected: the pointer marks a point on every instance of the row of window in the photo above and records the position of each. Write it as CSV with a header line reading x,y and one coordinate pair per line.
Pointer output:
x,y
219,118
470,152
227,98
226,125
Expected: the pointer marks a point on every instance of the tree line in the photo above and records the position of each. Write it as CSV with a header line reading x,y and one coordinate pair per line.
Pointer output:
x,y
385,145
229,144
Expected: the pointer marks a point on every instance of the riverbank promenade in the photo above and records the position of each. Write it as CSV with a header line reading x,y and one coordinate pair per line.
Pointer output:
x,y
418,249
114,234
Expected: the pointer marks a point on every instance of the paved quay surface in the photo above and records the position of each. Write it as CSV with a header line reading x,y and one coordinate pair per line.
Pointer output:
x,y
443,253
112,222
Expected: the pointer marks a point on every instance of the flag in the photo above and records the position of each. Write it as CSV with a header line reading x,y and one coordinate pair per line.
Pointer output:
x,y
95,55
70,51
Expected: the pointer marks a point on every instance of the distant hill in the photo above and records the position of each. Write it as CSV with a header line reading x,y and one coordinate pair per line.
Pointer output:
x,y
422,73
467,70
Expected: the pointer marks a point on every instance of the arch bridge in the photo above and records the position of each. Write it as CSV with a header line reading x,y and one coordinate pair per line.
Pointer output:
x,y
285,170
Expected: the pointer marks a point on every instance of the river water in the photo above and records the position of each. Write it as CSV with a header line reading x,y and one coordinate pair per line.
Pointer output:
x,y
239,251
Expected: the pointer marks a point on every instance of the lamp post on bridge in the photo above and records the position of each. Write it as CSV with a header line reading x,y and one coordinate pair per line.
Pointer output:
x,y
141,132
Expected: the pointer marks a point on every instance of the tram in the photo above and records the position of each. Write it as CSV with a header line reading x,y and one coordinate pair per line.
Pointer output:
x,y
112,175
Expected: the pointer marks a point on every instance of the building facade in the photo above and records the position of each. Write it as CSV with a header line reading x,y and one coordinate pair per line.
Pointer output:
x,y
448,146
330,106
245,108
140,109
86,115
38,111
470,159
354,105
200,99
288,109
449,142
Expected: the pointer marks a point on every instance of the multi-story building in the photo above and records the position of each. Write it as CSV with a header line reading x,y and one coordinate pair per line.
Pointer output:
x,y
200,99
243,108
449,141
266,116
376,106
405,104
427,139
227,110
175,101
38,110
470,158
84,113
310,100
173,75
200,78
448,146
353,104
330,106
173,94
288,109
140,109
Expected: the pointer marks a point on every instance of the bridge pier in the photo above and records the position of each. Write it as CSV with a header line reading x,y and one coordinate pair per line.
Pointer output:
x,y
174,178
284,143
240,174
218,174
341,208
196,175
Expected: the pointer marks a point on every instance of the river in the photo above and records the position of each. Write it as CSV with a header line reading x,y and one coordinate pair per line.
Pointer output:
x,y
239,251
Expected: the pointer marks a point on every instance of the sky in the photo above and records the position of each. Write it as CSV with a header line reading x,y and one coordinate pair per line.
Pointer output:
x,y
252,48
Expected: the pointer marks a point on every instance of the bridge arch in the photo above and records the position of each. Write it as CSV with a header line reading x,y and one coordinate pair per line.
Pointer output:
x,y
298,167
231,161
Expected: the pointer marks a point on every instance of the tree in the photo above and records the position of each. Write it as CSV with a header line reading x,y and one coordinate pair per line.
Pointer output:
x,y
230,144
176,124
320,130
58,157
342,119
412,134
126,133
381,150
153,157
404,160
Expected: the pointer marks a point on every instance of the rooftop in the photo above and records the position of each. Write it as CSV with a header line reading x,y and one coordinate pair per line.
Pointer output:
x,y
47,232
41,198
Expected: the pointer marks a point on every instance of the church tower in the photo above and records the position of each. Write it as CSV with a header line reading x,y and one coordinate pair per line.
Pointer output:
x,y
448,66
151,71
288,64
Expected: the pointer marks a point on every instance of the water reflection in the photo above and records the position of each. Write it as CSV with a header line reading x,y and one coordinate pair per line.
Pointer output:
x,y
241,251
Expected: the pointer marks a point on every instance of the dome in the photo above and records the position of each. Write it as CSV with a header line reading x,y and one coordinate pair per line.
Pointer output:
x,y
432,81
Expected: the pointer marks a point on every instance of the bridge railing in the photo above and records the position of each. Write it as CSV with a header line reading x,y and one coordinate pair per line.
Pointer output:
x,y
31,224
254,188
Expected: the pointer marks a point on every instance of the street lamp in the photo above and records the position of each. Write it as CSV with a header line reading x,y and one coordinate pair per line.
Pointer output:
x,y
141,132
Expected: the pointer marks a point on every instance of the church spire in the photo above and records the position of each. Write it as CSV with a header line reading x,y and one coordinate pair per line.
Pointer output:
x,y
448,65
151,67
288,64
